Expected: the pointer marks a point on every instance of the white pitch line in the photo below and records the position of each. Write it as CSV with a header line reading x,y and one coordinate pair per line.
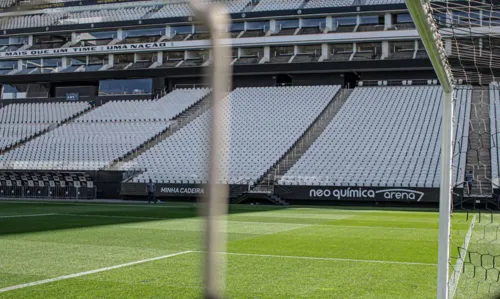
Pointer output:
x,y
455,276
70,276
327,259
27,215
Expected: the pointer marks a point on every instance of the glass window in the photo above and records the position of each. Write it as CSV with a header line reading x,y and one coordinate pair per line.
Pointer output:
x,y
310,49
144,32
19,40
403,18
277,51
375,48
491,18
4,41
257,25
98,59
32,63
236,27
8,64
7,88
79,60
403,46
251,52
466,18
131,86
146,57
313,22
345,21
200,29
124,58
177,55
285,24
342,48
52,62
369,20
441,19
182,29
97,35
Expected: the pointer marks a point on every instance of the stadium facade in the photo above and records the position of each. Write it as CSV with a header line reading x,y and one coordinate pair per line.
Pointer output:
x,y
331,100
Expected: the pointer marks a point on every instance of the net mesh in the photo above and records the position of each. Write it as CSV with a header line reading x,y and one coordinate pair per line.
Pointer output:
x,y
470,33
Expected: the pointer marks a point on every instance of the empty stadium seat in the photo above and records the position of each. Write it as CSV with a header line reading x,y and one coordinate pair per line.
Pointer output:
x,y
103,135
264,123
21,121
382,136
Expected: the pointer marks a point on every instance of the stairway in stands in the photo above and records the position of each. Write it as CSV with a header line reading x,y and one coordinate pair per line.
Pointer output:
x,y
177,123
265,185
478,153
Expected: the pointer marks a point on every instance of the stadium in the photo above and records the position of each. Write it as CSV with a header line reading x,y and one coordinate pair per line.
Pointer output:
x,y
358,153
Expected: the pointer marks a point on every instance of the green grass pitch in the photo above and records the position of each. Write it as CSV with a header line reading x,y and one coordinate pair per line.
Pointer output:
x,y
295,252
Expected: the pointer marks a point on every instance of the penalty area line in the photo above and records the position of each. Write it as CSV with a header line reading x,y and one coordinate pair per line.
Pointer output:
x,y
75,275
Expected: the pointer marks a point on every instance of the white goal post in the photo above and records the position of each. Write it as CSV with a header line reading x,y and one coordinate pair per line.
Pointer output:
x,y
428,31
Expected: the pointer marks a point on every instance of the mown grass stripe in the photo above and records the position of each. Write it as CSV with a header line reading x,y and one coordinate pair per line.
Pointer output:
x,y
326,259
75,275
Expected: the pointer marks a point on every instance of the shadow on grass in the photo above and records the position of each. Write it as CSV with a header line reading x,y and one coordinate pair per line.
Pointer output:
x,y
17,217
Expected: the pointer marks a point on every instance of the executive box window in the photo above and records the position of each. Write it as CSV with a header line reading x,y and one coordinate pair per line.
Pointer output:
x,y
95,38
6,66
125,87
23,91
345,24
122,60
253,26
50,41
181,32
79,60
146,35
236,27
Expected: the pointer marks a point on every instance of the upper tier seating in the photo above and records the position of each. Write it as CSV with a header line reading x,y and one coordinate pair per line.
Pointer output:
x,y
21,121
179,8
382,136
173,10
328,3
105,15
103,135
265,5
264,123
495,130
31,21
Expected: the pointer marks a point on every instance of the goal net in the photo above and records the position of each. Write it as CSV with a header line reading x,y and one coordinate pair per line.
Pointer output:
x,y
463,42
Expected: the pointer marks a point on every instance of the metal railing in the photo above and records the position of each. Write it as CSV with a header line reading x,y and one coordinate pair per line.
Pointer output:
x,y
56,192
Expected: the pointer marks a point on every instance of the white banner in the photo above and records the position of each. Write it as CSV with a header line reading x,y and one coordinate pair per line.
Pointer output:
x,y
84,50
236,42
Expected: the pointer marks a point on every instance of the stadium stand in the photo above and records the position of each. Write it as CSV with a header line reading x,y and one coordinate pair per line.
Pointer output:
x,y
31,21
495,127
392,139
19,122
164,109
7,3
105,15
328,3
264,123
103,135
265,5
